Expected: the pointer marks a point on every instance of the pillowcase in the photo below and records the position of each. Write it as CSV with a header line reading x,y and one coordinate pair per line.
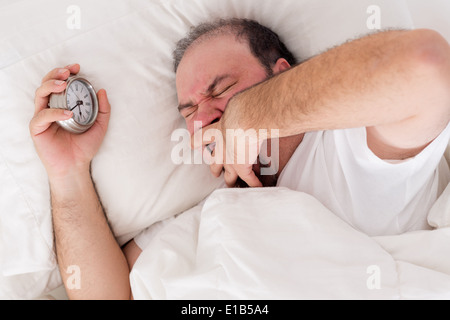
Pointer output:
x,y
125,47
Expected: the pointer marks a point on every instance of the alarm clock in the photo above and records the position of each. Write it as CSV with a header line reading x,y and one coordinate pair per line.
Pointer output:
x,y
80,98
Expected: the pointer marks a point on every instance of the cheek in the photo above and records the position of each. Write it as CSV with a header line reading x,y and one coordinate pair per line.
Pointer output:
x,y
258,76
221,104
190,125
242,86
252,79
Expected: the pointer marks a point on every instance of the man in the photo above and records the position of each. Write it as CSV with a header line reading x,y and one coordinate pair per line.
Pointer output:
x,y
392,88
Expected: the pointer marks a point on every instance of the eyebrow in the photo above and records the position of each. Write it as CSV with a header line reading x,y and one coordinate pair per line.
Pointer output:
x,y
208,92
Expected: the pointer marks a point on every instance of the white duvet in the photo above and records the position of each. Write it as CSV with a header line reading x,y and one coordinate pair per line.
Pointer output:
x,y
280,244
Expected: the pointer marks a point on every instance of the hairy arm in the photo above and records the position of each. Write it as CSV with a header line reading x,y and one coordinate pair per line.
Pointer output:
x,y
83,239
394,83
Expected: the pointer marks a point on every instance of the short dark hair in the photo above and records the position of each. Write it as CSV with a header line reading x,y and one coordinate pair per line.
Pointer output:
x,y
264,44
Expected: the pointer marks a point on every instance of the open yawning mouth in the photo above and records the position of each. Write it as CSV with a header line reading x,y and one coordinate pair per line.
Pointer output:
x,y
210,147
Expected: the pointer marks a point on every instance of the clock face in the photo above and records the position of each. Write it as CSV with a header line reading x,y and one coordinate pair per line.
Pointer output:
x,y
79,101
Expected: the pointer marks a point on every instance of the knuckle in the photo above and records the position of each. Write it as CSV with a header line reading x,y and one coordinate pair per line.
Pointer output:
x,y
32,125
215,170
55,70
37,116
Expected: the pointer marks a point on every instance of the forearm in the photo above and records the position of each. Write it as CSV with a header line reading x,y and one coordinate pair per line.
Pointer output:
x,y
373,81
84,239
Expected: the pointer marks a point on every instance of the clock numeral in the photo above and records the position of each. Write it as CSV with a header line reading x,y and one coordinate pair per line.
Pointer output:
x,y
85,96
88,104
76,86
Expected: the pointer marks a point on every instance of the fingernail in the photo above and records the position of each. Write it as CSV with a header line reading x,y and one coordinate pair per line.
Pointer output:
x,y
68,112
59,82
61,71
70,65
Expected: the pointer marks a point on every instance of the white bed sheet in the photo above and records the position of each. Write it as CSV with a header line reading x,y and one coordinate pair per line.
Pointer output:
x,y
281,244
125,47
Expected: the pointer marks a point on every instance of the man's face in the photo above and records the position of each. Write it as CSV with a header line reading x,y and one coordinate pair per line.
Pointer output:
x,y
210,73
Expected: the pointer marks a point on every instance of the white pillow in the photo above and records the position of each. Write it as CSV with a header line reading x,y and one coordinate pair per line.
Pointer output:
x,y
434,15
125,47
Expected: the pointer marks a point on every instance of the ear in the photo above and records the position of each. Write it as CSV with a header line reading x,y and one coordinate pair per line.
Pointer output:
x,y
280,66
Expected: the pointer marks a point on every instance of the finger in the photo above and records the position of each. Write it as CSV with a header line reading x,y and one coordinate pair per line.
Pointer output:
x,y
44,119
205,135
43,92
57,74
248,175
217,158
61,73
230,176
73,68
216,169
104,109
208,157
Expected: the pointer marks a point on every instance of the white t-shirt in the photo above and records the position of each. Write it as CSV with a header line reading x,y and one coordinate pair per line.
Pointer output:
x,y
375,196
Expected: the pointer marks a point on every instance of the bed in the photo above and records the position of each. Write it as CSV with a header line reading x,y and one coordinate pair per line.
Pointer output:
x,y
227,243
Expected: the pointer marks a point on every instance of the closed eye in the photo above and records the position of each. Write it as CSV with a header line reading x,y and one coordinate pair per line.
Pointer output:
x,y
187,112
218,95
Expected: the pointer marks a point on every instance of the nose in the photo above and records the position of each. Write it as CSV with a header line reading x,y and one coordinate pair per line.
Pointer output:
x,y
208,112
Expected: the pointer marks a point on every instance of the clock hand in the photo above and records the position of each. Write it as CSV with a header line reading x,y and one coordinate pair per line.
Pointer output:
x,y
74,107
78,103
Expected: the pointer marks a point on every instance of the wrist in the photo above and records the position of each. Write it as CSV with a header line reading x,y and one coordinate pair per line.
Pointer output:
x,y
230,118
69,183
67,172
238,116
247,110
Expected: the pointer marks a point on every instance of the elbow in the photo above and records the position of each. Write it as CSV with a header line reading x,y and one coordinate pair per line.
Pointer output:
x,y
429,61
429,54
429,48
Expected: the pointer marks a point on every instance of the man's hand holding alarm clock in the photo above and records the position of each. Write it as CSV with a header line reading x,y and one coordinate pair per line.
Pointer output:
x,y
70,121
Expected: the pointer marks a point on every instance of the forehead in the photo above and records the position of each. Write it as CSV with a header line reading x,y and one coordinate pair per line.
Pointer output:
x,y
212,57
